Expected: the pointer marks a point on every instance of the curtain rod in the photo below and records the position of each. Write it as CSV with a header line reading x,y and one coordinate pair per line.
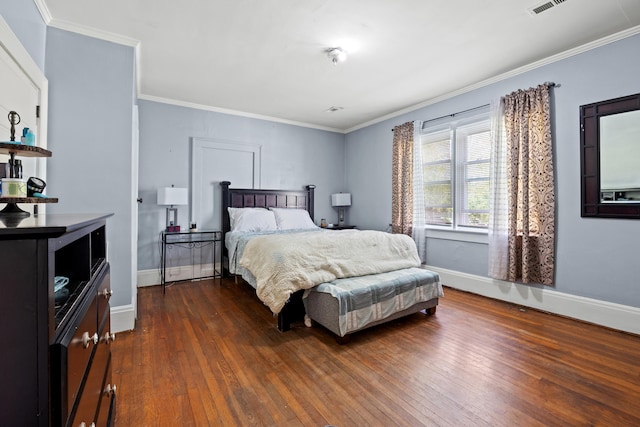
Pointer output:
x,y
454,114
459,112
550,84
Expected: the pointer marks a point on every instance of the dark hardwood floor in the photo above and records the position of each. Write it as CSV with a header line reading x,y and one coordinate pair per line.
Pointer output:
x,y
206,354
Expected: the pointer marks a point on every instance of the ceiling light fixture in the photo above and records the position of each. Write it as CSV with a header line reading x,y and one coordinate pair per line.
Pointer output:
x,y
336,54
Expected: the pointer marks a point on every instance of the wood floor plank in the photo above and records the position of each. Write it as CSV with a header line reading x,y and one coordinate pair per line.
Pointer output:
x,y
210,354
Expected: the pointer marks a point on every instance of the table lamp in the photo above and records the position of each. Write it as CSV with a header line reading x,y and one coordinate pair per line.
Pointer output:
x,y
340,200
173,196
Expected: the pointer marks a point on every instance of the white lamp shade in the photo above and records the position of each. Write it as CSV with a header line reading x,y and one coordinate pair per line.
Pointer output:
x,y
173,196
341,199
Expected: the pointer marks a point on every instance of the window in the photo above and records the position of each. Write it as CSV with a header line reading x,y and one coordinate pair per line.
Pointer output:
x,y
455,168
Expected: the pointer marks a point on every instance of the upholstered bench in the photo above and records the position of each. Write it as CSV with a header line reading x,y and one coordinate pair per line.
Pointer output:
x,y
348,305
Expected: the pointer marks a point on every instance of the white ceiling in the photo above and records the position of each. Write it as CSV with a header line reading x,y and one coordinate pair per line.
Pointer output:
x,y
265,58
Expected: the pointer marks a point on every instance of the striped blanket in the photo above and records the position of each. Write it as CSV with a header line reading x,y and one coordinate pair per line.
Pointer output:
x,y
367,299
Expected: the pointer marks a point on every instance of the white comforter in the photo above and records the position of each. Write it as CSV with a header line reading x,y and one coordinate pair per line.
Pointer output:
x,y
283,264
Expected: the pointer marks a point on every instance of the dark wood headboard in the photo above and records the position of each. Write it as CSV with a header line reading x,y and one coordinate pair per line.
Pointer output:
x,y
252,198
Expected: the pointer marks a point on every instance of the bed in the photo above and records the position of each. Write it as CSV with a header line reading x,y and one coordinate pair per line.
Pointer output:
x,y
344,280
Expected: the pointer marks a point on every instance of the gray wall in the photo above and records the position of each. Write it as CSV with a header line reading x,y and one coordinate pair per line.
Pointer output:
x,y
27,24
596,258
91,92
292,157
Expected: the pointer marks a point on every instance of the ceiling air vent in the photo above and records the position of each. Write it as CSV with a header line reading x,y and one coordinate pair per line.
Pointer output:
x,y
536,10
333,109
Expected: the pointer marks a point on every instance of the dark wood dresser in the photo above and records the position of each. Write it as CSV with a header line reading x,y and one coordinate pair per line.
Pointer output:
x,y
55,360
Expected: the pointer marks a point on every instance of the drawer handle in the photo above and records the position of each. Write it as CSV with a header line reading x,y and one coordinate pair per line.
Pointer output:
x,y
106,293
83,424
86,339
110,390
109,337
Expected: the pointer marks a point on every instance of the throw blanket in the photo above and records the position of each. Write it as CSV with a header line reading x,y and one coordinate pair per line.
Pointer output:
x,y
367,299
283,264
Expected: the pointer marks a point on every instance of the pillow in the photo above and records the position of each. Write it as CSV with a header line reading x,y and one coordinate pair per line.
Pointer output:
x,y
252,219
292,219
236,212
233,212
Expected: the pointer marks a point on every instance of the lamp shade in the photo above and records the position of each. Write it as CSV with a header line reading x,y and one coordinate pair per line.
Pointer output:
x,y
341,199
173,196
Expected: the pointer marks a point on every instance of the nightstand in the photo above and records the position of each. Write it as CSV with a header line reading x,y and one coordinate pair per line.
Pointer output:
x,y
191,240
342,227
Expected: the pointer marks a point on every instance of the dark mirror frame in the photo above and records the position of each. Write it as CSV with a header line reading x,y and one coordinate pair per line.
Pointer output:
x,y
590,158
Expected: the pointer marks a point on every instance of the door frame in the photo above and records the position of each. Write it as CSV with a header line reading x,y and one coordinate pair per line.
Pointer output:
x,y
12,45
198,147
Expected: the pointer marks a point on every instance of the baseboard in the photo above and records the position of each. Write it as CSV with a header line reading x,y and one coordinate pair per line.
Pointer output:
x,y
148,277
185,272
123,318
612,315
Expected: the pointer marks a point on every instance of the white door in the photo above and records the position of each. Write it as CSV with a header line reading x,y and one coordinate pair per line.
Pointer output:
x,y
134,211
23,88
213,162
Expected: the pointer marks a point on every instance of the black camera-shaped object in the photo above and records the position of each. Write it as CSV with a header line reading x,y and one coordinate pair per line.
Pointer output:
x,y
35,185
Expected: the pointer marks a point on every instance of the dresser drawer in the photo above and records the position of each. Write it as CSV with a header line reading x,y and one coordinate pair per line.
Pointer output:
x,y
104,294
72,353
106,410
90,398
78,350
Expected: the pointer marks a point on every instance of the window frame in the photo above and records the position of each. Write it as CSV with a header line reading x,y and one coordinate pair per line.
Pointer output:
x,y
459,129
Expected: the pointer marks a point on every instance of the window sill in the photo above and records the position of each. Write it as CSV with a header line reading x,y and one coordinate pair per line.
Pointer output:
x,y
472,236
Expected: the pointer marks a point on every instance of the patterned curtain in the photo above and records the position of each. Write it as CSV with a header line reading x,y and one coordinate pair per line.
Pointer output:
x,y
529,190
401,181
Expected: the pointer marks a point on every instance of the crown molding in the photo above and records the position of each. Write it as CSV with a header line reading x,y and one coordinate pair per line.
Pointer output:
x,y
44,11
127,41
93,32
521,70
237,113
137,45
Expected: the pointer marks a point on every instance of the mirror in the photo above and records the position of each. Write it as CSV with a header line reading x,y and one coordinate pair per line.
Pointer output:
x,y
610,158
620,157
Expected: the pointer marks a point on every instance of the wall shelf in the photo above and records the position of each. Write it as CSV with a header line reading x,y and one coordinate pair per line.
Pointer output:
x,y
12,149
28,200
12,210
23,150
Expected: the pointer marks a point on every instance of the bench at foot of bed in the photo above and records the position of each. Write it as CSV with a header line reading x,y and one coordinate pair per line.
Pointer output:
x,y
430,309
349,305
